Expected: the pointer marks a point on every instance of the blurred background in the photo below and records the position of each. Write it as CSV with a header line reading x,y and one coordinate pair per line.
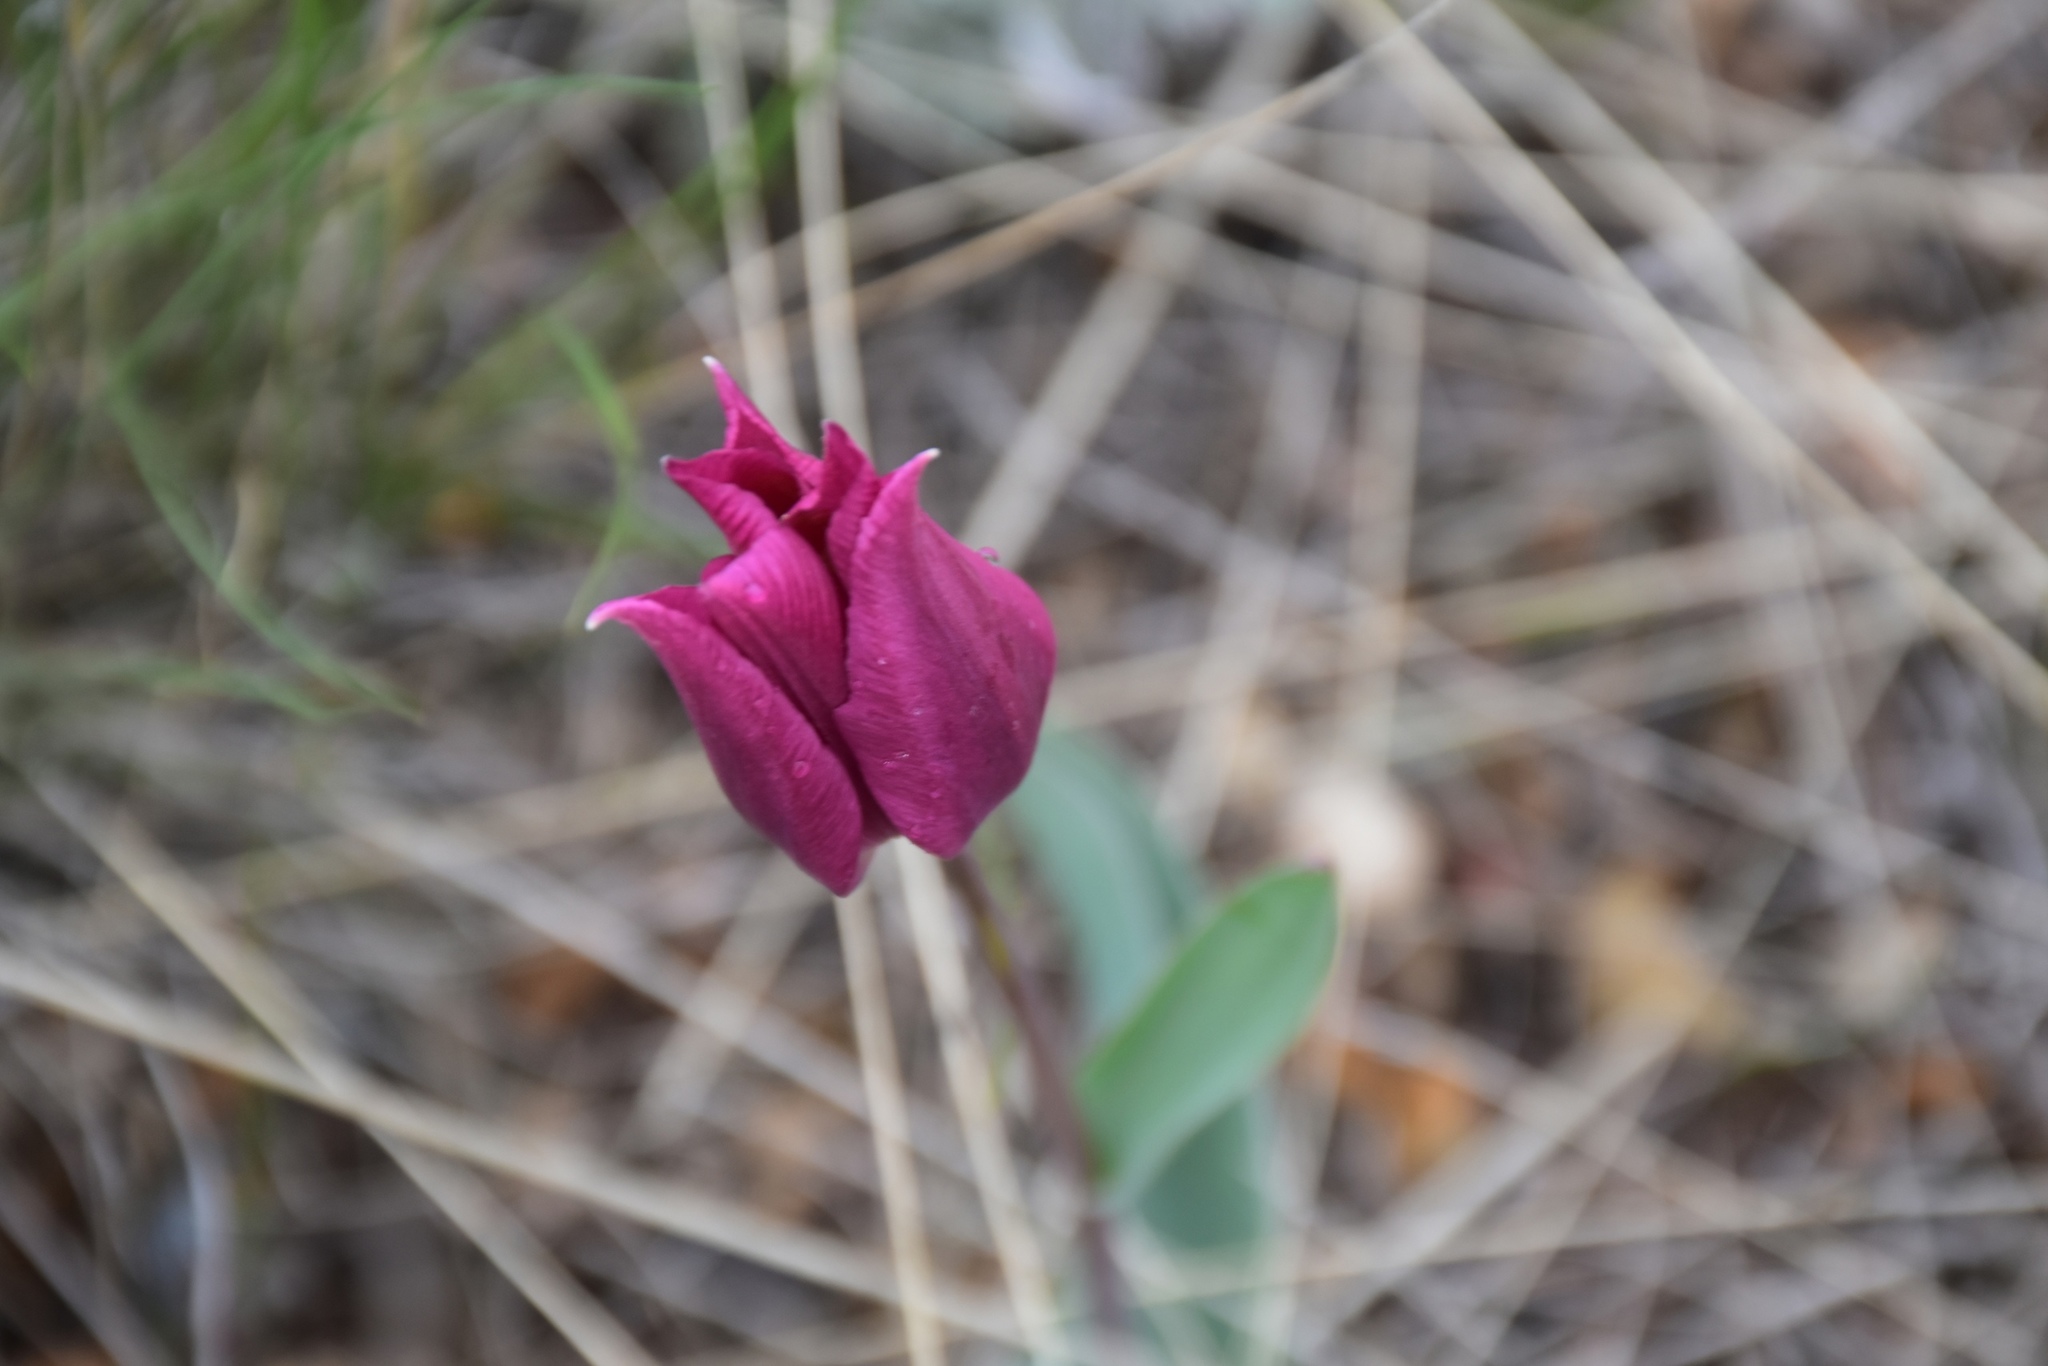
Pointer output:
x,y
1579,473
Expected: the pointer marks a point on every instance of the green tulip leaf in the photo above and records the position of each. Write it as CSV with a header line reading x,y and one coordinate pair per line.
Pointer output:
x,y
1215,1020
1209,1197
1126,895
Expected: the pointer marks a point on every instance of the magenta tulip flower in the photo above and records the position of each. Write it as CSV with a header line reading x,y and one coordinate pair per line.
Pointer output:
x,y
854,672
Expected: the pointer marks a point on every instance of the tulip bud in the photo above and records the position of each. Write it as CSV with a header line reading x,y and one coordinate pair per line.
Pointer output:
x,y
853,671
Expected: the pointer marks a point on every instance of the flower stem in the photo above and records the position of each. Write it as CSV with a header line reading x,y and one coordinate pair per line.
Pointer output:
x,y
1062,1115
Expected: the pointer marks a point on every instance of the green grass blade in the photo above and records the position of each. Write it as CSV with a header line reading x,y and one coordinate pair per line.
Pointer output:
x,y
623,440
147,444
27,670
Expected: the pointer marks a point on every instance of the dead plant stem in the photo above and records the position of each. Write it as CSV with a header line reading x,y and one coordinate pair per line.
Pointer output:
x,y
1052,1083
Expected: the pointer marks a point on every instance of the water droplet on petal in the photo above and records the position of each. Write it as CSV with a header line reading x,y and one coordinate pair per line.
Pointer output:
x,y
801,769
988,552
888,765
756,593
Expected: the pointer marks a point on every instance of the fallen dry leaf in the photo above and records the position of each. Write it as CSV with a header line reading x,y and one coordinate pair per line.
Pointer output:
x,y
1426,1110
1937,1079
1717,24
1640,961
551,989
465,517
786,1129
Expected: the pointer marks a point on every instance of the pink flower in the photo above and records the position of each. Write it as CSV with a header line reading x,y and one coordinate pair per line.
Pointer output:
x,y
854,672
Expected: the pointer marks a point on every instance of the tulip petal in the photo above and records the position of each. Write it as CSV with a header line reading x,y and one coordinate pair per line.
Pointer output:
x,y
745,491
769,758
778,605
949,661
747,429
846,481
